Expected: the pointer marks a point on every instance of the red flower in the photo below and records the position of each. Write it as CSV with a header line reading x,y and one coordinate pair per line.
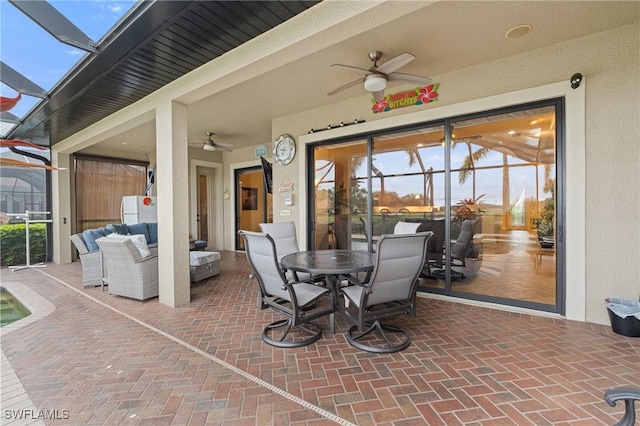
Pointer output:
x,y
428,94
380,106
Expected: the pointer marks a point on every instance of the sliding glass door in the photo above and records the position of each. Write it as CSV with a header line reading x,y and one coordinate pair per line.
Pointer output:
x,y
486,185
503,180
339,195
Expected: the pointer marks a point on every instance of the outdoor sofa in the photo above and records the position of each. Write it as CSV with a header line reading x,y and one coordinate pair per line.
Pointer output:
x,y
93,269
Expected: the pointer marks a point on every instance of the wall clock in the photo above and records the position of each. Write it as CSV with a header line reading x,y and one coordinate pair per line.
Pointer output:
x,y
284,149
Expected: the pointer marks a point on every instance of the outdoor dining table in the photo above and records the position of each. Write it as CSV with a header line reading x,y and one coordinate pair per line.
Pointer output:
x,y
332,265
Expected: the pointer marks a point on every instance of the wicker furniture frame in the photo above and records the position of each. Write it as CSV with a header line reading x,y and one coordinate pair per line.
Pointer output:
x,y
93,270
129,274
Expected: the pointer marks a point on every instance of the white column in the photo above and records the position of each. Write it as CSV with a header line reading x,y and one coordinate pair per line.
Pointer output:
x,y
61,207
172,190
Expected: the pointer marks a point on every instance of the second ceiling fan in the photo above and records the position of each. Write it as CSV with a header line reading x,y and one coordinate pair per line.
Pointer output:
x,y
376,78
211,145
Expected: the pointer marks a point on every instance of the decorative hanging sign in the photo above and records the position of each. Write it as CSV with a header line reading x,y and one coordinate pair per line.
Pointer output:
x,y
286,185
419,96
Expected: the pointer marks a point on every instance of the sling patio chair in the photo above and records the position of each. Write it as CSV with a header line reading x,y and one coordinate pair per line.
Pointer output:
x,y
286,297
390,291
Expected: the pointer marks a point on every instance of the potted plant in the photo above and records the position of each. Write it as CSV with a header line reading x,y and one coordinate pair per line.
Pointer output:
x,y
544,225
467,208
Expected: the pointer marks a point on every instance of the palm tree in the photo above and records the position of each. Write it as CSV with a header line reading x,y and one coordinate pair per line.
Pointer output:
x,y
468,165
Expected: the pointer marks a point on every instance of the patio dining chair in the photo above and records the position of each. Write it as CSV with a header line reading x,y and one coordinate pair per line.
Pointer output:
x,y
390,291
401,227
284,236
286,297
462,248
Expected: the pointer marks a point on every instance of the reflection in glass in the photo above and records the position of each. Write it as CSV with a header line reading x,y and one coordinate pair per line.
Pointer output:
x,y
494,225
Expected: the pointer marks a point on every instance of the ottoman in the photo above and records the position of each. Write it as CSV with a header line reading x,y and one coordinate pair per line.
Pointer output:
x,y
203,264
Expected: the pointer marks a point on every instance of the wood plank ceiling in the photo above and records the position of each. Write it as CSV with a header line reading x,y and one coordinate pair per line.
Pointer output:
x,y
158,43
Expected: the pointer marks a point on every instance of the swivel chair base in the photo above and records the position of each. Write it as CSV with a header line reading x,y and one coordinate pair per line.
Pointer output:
x,y
310,329
393,339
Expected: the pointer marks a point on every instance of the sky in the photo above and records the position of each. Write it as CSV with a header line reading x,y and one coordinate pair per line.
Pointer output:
x,y
33,52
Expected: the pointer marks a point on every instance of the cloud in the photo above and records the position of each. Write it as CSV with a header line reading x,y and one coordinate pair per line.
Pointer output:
x,y
74,52
115,8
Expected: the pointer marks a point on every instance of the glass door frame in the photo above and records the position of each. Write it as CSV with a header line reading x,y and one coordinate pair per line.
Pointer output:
x,y
237,207
559,107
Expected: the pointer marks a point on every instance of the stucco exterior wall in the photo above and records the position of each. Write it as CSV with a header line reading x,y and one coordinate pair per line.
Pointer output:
x,y
611,66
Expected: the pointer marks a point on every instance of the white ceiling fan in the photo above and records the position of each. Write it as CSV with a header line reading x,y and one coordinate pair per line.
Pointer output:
x,y
377,77
209,144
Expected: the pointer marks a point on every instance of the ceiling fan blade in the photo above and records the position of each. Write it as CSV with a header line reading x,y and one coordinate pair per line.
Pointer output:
x,y
399,76
396,63
352,68
378,96
216,143
222,148
346,86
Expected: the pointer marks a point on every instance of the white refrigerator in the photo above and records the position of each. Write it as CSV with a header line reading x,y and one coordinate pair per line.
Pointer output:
x,y
138,209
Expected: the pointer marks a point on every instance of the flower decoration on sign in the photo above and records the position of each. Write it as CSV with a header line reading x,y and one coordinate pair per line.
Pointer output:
x,y
381,106
427,94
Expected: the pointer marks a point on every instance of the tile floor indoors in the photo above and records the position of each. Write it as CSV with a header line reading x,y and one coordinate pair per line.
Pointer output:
x,y
98,359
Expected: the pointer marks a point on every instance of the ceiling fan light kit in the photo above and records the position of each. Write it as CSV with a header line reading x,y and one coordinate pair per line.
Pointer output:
x,y
375,82
208,146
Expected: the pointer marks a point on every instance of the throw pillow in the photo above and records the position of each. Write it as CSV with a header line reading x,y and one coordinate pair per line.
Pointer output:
x,y
141,244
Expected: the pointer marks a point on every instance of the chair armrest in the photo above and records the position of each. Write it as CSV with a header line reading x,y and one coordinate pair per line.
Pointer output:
x,y
628,396
148,258
364,284
78,242
354,281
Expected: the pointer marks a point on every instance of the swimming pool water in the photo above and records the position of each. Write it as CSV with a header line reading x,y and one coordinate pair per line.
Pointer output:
x,y
11,310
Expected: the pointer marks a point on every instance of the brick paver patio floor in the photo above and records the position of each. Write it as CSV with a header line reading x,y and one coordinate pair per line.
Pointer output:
x,y
99,359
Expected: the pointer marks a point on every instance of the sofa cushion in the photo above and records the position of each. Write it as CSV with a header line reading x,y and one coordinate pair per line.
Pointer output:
x,y
139,228
152,228
198,258
91,235
118,228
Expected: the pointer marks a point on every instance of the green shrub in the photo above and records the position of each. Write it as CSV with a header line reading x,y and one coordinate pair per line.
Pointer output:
x,y
12,244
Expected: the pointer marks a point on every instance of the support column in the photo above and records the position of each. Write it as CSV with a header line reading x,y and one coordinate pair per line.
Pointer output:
x,y
61,207
172,188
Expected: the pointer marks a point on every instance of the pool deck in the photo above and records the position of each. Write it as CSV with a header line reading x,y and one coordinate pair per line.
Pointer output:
x,y
90,358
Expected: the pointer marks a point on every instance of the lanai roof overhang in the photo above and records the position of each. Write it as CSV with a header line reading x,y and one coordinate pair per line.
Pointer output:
x,y
156,43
